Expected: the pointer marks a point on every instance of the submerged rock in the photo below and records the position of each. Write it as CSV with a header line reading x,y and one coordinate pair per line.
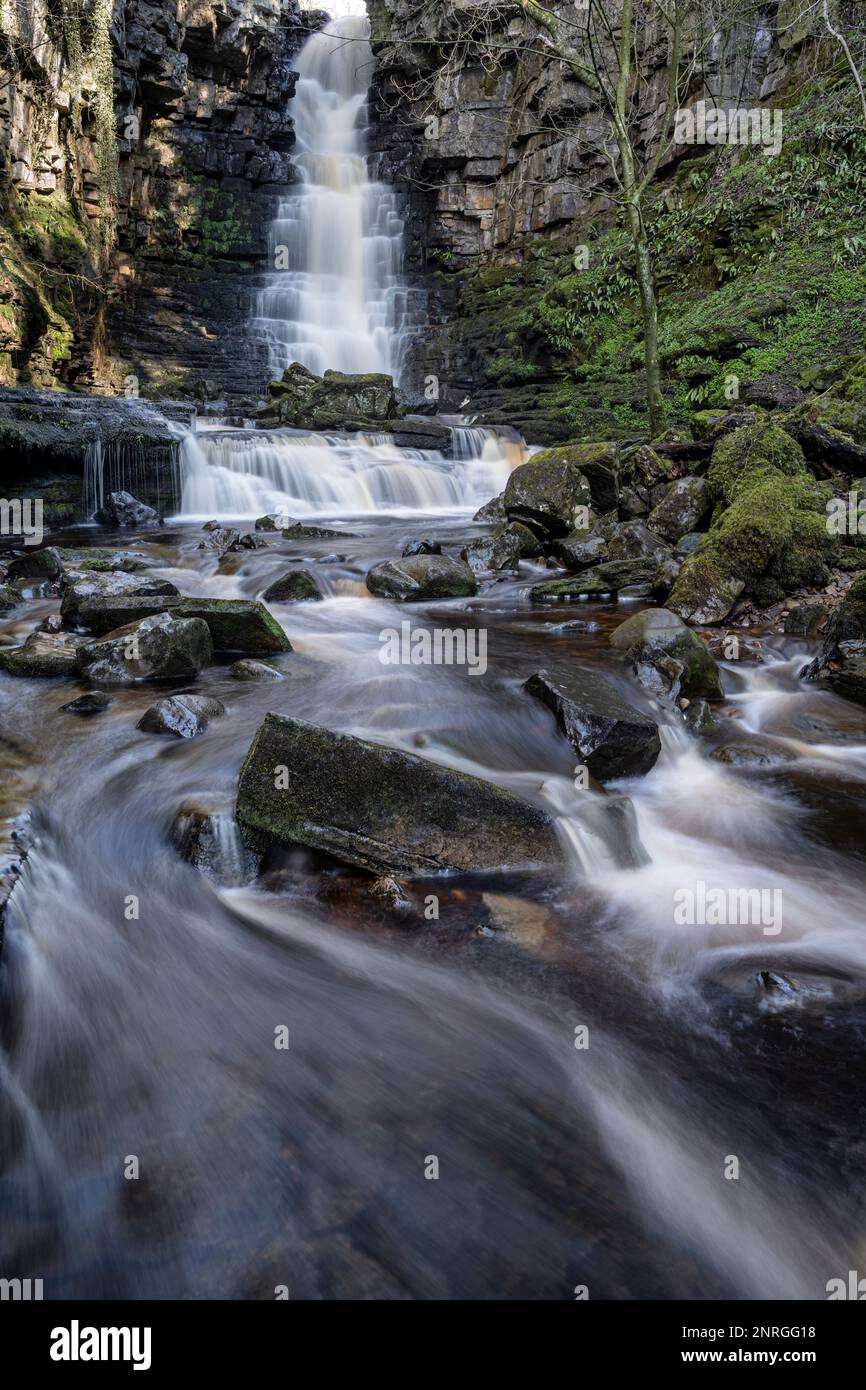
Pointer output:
x,y
122,509
390,894
87,706
255,671
380,808
420,577
236,625
658,640
185,716
611,738
44,654
297,531
161,647
78,589
296,586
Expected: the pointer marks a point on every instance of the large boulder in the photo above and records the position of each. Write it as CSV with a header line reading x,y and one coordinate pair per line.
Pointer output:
x,y
220,539
581,549
684,507
185,716
667,656
161,647
295,586
842,658
43,654
382,809
611,738
500,550
236,625
632,540
548,494
43,566
598,464
770,535
122,509
417,578
79,589
335,401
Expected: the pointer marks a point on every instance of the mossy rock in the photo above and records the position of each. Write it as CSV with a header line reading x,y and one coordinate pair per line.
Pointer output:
x,y
760,444
597,462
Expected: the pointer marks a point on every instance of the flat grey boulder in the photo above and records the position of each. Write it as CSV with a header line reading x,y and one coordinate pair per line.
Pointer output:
x,y
381,809
415,578
161,647
185,716
609,578
77,589
235,625
611,738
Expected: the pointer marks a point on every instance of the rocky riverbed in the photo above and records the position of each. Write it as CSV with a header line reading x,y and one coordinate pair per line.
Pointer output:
x,y
238,825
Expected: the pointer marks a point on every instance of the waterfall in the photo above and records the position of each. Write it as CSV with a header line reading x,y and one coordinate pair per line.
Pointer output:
x,y
153,474
336,298
243,474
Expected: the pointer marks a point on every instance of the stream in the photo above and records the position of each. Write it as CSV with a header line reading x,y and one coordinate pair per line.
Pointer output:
x,y
548,1088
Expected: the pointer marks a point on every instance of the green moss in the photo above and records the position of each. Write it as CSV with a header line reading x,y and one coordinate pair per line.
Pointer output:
x,y
760,444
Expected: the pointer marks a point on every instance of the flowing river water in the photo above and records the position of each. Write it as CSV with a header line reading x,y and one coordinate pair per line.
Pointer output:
x,y
560,1167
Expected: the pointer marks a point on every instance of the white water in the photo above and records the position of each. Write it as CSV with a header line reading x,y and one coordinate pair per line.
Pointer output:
x,y
244,474
336,298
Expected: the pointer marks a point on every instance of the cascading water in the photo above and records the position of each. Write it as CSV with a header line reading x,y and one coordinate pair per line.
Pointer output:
x,y
336,298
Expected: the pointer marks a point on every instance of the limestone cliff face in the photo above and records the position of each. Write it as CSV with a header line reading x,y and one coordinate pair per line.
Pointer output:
x,y
142,146
505,171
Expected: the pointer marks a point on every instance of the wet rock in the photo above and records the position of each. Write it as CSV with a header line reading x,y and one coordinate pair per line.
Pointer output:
x,y
381,809
236,625
421,577
658,641
494,510
611,738
250,541
423,546
220,540
421,433
212,526
44,654
390,894
268,523
529,545
9,598
161,647
699,718
335,401
806,620
185,716
255,671
498,551
296,586
632,540
849,680
688,544
548,494
778,986
44,566
79,589
581,550
686,504
210,841
750,755
87,706
609,578
710,601
122,509
297,531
